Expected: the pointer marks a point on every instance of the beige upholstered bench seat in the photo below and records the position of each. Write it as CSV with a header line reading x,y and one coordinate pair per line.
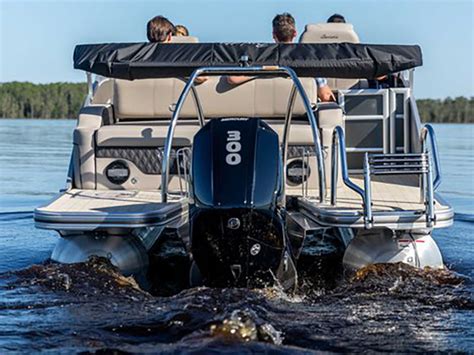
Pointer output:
x,y
143,136
155,136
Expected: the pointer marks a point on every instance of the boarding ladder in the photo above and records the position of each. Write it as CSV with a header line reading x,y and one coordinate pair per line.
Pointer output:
x,y
423,164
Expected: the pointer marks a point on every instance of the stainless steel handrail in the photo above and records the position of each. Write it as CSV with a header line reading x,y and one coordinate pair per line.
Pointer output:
x,y
428,131
288,117
297,87
271,70
338,141
368,219
427,188
197,102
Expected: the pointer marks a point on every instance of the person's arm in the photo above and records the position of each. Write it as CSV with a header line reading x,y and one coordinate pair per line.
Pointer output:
x,y
200,79
238,79
325,93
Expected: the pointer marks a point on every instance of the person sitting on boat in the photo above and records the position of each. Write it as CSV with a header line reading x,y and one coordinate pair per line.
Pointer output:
x,y
159,30
180,30
336,18
284,31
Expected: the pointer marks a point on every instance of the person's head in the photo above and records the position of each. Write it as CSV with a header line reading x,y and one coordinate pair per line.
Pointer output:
x,y
180,30
159,29
284,28
336,18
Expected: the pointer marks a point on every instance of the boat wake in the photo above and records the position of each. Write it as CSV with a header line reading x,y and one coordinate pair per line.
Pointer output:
x,y
91,307
464,217
15,215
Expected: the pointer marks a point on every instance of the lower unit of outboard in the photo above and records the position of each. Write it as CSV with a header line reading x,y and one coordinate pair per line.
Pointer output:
x,y
237,222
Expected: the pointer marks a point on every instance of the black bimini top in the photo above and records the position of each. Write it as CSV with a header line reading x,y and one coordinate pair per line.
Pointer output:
x,y
160,60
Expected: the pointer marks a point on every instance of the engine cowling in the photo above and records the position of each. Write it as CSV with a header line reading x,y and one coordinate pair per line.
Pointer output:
x,y
237,231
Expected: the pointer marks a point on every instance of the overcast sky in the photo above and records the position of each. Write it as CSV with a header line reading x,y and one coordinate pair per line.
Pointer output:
x,y
37,37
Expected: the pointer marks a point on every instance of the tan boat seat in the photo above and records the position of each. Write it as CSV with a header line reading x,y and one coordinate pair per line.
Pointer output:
x,y
155,136
329,33
144,136
334,33
154,99
184,39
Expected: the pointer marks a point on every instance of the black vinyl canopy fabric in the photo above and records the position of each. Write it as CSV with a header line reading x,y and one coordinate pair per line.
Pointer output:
x,y
161,60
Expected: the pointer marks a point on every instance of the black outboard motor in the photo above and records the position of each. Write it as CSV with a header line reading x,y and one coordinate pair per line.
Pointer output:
x,y
237,221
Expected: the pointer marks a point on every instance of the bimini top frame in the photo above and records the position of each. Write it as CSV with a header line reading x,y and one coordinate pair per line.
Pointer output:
x,y
258,70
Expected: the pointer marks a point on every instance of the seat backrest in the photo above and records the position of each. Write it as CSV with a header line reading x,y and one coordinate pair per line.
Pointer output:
x,y
329,33
184,39
333,33
147,99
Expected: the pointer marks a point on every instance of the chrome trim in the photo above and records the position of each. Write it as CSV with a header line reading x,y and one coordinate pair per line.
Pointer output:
x,y
428,131
368,219
286,132
197,102
243,71
338,141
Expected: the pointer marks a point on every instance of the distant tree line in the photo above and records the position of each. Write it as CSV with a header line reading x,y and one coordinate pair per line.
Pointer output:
x,y
63,100
27,100
458,110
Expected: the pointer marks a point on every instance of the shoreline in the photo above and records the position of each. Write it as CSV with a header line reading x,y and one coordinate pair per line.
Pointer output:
x,y
75,118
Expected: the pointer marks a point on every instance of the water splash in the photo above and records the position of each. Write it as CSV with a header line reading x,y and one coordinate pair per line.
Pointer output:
x,y
91,307
96,276
244,325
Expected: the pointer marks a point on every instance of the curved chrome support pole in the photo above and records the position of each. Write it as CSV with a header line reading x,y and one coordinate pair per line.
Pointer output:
x,y
169,138
430,215
428,131
368,219
197,102
314,129
429,185
271,70
286,130
339,146
338,141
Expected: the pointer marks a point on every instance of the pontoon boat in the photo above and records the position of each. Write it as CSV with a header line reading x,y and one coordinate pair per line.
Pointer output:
x,y
243,174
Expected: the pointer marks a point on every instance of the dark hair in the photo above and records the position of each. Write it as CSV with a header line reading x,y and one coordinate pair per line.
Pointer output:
x,y
284,28
336,18
158,28
180,30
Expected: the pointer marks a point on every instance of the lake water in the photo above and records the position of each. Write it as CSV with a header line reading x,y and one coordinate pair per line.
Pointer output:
x,y
375,314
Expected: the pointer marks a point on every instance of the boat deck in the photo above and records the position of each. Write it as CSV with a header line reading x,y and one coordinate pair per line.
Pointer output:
x,y
396,203
76,208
